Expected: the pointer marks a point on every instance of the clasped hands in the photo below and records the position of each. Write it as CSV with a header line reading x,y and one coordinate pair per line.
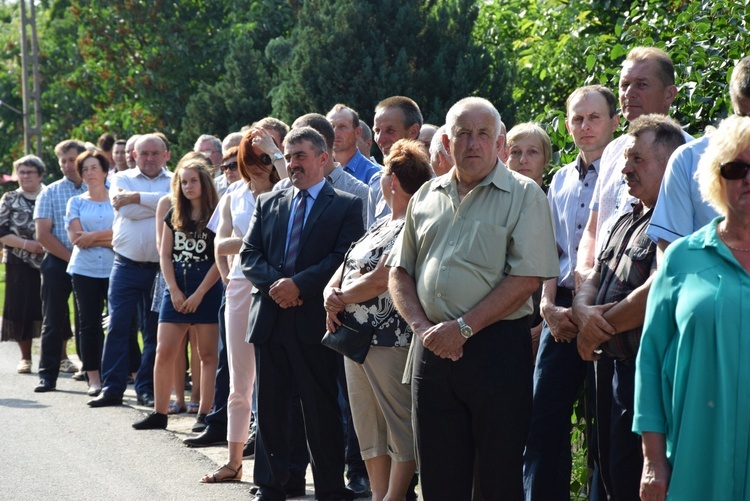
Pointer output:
x,y
85,239
285,292
443,339
594,330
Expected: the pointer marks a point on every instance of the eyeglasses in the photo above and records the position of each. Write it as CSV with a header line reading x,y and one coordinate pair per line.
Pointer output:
x,y
229,166
734,170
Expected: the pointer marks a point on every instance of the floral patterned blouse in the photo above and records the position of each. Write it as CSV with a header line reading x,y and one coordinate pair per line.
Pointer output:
x,y
17,218
363,258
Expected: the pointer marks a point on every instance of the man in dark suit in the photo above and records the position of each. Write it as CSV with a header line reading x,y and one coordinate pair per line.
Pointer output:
x,y
296,241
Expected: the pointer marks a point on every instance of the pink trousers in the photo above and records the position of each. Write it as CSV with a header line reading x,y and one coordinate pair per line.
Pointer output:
x,y
241,357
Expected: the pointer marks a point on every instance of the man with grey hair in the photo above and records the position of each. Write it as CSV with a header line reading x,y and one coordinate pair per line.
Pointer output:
x,y
616,291
210,146
232,139
296,241
426,133
134,194
439,159
49,217
475,246
502,151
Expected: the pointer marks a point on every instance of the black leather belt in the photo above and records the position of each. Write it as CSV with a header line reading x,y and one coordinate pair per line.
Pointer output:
x,y
141,264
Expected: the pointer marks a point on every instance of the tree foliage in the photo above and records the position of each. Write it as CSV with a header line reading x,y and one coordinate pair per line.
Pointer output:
x,y
211,66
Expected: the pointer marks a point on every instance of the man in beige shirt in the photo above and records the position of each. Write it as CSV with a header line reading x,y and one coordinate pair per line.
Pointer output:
x,y
475,246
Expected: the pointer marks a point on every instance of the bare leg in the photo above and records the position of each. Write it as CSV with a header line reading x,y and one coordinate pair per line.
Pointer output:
x,y
64,353
195,367
378,470
25,347
401,475
169,339
208,348
95,380
180,367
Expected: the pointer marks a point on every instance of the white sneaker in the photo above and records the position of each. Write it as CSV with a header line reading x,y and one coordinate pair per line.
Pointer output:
x,y
24,367
68,367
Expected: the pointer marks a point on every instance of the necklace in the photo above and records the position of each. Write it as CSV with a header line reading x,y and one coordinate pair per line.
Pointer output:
x,y
722,236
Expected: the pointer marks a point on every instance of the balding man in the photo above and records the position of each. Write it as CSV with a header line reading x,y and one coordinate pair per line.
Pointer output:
x,y
134,194
474,248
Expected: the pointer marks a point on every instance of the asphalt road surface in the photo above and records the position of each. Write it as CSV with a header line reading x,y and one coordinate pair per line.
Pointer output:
x,y
54,447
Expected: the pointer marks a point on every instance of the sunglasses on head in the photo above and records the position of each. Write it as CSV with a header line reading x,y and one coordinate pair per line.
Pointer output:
x,y
229,166
734,170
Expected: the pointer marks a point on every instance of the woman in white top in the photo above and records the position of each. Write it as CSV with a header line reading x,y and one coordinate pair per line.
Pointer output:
x,y
236,209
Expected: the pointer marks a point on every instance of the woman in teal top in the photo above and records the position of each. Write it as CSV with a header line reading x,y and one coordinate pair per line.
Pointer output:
x,y
692,404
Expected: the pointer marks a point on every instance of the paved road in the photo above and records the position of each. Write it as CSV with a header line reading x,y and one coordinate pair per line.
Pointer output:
x,y
55,447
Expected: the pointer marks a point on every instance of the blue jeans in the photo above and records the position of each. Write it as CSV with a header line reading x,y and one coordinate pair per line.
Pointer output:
x,y
558,380
130,288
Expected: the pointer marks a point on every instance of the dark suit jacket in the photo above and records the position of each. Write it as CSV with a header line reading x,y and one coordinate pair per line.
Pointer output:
x,y
334,222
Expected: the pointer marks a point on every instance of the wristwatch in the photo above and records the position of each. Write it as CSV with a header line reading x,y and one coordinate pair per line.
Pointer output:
x,y
466,331
277,156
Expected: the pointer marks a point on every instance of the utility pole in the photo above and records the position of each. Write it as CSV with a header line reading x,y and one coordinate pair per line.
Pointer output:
x,y
31,91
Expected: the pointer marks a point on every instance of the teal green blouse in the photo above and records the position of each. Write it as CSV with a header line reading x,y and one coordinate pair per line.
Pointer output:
x,y
693,368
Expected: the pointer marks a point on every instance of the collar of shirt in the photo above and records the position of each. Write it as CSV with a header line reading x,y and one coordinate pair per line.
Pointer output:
x,y
73,185
355,163
335,174
498,176
592,166
136,172
313,190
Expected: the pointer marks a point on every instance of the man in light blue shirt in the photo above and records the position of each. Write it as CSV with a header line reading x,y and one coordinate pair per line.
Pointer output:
x,y
560,372
49,215
347,130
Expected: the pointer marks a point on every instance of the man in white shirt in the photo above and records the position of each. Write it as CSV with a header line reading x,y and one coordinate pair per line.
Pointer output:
x,y
134,194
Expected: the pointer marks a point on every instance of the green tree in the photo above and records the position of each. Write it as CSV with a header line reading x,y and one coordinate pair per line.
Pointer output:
x,y
423,50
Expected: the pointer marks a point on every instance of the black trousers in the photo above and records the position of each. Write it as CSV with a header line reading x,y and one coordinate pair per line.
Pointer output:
x,y
56,288
480,405
285,367
90,294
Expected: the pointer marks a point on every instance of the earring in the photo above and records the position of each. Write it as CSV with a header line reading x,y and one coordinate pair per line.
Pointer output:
x,y
393,191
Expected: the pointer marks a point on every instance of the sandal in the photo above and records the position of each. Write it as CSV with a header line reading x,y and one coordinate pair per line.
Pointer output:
x,y
176,409
214,478
192,408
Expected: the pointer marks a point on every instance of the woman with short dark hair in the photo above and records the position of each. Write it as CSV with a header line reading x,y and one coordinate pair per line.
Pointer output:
x,y
22,311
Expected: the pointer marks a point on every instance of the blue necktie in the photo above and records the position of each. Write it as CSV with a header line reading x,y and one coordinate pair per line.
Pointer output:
x,y
297,224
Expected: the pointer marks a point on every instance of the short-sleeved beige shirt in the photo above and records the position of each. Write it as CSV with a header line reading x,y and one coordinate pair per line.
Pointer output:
x,y
458,253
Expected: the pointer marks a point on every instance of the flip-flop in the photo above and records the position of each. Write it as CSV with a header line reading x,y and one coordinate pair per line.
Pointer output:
x,y
175,409
213,478
192,408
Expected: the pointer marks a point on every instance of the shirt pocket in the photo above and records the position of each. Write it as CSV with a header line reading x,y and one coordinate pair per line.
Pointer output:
x,y
486,246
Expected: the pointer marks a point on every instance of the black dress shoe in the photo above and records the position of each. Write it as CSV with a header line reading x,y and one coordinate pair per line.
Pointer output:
x,y
206,439
359,485
153,421
200,423
248,451
44,386
145,399
104,400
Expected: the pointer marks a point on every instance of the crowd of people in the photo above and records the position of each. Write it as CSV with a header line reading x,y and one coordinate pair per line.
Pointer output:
x,y
489,298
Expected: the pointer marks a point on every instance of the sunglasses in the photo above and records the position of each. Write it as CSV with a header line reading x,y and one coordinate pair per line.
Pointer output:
x,y
734,170
229,166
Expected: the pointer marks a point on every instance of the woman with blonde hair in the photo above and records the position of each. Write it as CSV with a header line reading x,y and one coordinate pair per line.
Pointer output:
x,y
691,403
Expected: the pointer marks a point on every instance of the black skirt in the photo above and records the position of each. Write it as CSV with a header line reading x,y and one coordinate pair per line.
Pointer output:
x,y
22,311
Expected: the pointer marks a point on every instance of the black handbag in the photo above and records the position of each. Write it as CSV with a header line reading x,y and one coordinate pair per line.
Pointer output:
x,y
351,338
